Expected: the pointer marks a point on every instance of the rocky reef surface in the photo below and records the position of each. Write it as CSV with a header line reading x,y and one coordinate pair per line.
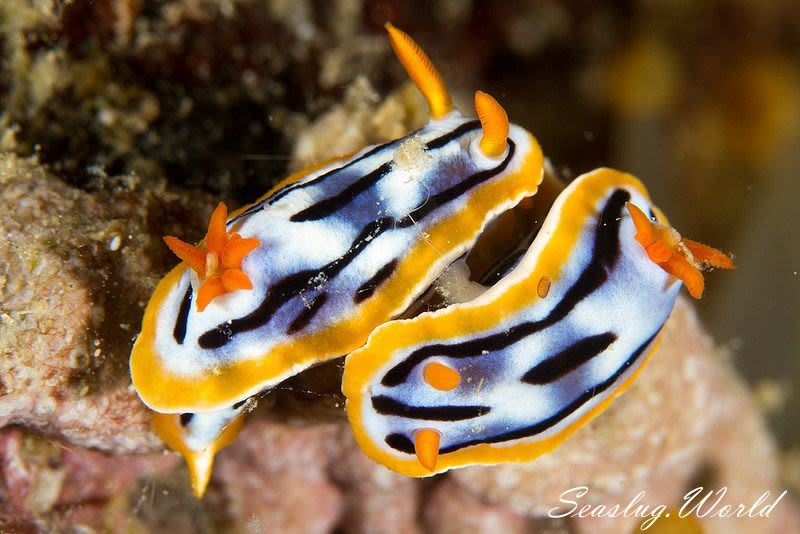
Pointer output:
x,y
124,120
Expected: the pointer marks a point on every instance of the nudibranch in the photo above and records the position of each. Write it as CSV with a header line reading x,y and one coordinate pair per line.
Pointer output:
x,y
308,271
509,375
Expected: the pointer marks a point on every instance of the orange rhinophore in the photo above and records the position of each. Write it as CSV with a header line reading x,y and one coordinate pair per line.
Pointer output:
x,y
421,71
494,123
426,446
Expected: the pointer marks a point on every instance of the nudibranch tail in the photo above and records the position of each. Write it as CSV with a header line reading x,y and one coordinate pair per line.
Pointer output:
x,y
201,459
217,262
682,258
494,123
421,71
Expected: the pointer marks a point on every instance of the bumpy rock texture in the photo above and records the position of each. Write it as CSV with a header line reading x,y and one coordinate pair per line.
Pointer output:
x,y
77,269
120,117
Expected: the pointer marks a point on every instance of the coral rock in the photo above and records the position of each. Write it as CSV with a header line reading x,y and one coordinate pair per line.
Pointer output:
x,y
44,484
275,479
77,271
377,500
452,508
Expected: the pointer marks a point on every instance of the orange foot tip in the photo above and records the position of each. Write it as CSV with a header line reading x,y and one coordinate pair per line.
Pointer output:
x,y
170,430
683,258
426,445
217,260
